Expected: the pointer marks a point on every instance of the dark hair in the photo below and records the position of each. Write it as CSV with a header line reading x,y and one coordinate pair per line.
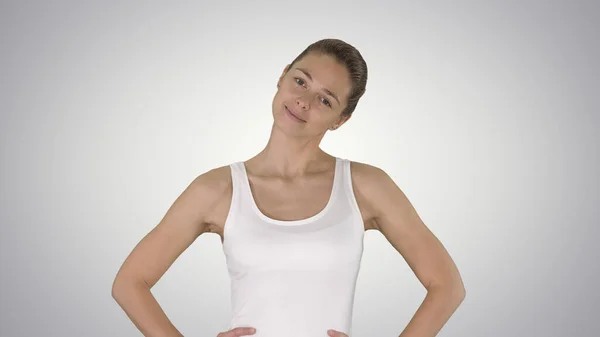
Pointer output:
x,y
348,56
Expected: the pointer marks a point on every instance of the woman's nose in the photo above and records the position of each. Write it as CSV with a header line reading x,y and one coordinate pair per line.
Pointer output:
x,y
303,101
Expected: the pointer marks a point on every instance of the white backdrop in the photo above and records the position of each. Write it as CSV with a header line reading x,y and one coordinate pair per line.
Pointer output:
x,y
485,114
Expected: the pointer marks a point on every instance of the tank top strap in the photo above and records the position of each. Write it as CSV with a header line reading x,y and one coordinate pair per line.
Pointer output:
x,y
237,177
239,203
348,188
345,177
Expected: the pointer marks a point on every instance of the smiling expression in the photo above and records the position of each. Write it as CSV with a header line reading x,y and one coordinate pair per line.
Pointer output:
x,y
312,94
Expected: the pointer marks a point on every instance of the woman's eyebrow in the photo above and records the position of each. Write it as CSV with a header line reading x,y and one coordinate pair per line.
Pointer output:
x,y
324,89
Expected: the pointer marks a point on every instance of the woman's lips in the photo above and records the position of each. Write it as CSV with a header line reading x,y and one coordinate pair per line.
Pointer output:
x,y
294,116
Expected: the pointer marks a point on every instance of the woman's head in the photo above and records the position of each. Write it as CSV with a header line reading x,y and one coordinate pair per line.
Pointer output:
x,y
351,59
322,85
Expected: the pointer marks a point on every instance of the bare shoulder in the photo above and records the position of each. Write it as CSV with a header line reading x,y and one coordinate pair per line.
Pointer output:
x,y
205,196
365,173
215,184
367,181
379,197
213,181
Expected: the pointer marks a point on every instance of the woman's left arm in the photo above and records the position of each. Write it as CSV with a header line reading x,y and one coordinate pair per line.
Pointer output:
x,y
396,218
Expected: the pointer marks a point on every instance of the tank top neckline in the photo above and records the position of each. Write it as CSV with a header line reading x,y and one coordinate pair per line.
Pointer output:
x,y
332,197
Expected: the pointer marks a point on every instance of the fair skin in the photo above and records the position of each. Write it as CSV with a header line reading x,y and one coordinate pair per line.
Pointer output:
x,y
315,90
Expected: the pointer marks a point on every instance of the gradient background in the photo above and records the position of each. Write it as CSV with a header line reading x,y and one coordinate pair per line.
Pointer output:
x,y
486,114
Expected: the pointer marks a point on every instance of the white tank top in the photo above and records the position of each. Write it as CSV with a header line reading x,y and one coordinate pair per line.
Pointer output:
x,y
293,278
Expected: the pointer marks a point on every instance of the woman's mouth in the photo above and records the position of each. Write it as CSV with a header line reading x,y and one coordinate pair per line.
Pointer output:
x,y
291,114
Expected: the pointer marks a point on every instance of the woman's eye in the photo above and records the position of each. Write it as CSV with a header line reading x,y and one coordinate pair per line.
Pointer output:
x,y
326,102
299,81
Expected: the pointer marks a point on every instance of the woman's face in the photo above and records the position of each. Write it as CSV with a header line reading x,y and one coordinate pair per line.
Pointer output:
x,y
311,95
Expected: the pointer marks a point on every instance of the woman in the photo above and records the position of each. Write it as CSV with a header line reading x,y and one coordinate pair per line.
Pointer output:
x,y
292,219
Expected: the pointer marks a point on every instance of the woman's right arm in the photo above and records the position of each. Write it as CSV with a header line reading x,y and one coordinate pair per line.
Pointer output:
x,y
155,253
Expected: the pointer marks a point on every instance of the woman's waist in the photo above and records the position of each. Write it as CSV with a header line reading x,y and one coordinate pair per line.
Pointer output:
x,y
290,319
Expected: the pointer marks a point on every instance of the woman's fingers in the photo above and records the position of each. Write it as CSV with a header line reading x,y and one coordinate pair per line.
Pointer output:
x,y
235,332
334,333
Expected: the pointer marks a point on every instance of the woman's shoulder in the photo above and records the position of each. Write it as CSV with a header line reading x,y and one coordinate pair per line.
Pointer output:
x,y
214,180
364,170
368,178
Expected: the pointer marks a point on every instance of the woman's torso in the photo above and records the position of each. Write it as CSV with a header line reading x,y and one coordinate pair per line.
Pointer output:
x,y
293,249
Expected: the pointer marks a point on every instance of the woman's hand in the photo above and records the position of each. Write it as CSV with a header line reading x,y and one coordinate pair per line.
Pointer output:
x,y
334,333
235,332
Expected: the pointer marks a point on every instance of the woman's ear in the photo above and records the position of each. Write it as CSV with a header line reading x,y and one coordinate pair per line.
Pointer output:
x,y
340,122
